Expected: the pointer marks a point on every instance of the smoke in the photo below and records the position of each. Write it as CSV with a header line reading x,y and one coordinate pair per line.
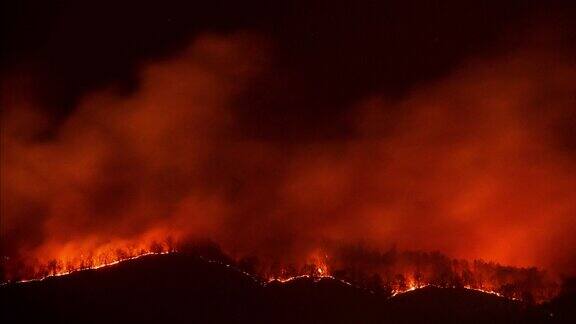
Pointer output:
x,y
479,164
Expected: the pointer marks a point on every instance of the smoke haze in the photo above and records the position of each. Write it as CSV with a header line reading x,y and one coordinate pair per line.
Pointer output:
x,y
479,164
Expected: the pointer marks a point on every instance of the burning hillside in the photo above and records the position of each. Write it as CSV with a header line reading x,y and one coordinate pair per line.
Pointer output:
x,y
355,166
386,274
196,289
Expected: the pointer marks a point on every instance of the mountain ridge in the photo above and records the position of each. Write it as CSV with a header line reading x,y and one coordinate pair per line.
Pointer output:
x,y
177,288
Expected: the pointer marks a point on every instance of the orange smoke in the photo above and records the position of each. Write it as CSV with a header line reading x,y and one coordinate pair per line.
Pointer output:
x,y
480,164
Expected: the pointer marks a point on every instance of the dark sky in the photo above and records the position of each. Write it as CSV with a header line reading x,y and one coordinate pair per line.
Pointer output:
x,y
326,54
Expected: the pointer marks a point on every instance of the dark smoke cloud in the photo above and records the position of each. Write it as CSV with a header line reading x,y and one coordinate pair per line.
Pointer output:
x,y
479,164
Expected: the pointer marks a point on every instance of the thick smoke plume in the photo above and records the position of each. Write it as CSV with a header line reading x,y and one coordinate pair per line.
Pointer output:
x,y
479,165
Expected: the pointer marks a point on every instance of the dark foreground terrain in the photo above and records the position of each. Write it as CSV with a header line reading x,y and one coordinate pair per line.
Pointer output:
x,y
186,289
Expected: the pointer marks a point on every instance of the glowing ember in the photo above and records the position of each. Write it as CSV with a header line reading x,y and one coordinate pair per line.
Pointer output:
x,y
92,267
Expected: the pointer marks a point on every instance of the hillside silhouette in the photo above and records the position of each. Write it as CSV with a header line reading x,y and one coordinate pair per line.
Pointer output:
x,y
182,288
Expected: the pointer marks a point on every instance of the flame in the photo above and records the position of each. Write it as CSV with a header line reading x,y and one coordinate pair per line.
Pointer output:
x,y
485,291
94,265
88,253
320,273
315,268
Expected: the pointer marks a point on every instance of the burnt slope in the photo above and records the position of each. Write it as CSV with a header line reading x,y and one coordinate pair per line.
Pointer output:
x,y
187,289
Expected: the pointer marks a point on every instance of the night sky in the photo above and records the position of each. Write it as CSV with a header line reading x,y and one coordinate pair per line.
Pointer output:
x,y
326,54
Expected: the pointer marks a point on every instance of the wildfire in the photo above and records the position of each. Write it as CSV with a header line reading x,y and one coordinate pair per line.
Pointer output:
x,y
93,267
316,269
485,291
121,172
61,260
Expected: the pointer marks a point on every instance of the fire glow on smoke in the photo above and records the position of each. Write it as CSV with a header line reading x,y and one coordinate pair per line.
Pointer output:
x,y
477,165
